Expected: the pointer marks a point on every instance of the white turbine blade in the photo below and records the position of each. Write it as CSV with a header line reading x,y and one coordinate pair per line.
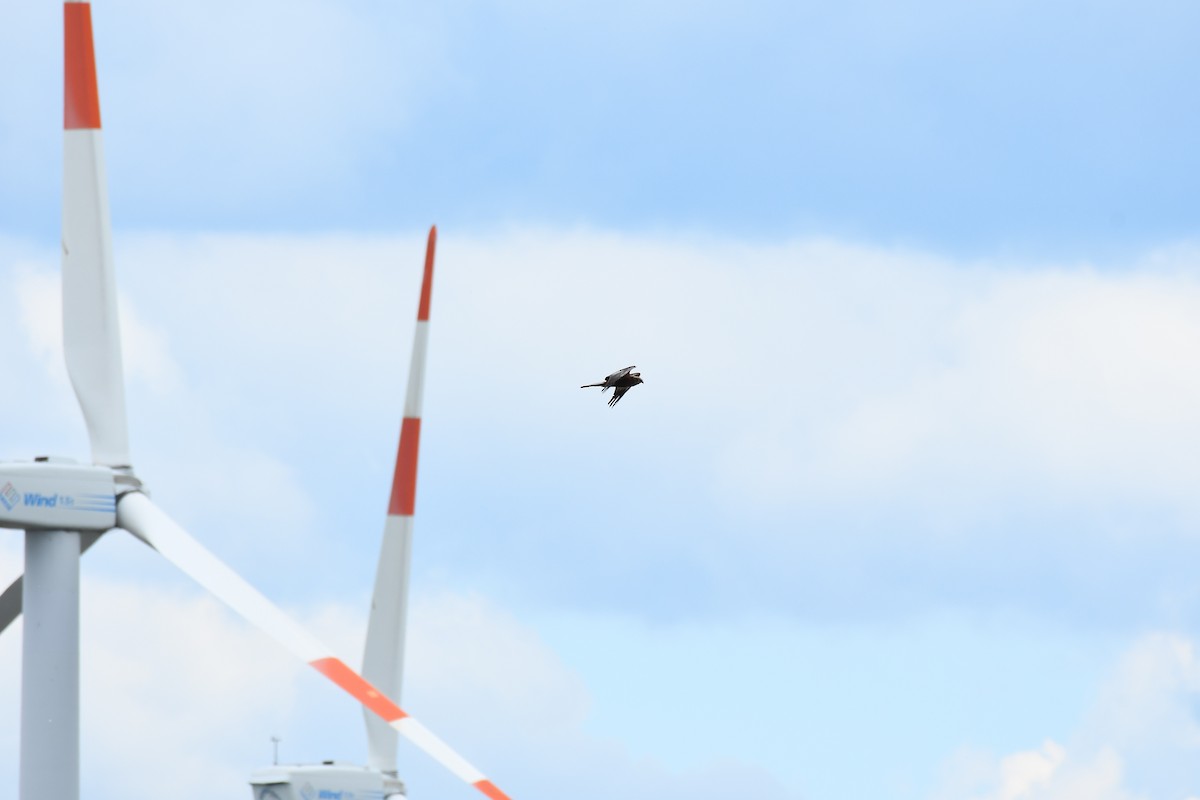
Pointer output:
x,y
138,515
10,601
91,335
383,658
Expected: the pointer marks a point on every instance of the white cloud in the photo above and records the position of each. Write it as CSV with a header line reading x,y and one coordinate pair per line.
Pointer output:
x,y
1057,382
206,481
1139,741
1048,774
490,685
145,352
530,687
911,362
810,378
40,302
1024,772
176,698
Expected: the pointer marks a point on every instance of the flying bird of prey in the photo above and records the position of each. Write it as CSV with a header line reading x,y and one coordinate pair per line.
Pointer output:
x,y
620,382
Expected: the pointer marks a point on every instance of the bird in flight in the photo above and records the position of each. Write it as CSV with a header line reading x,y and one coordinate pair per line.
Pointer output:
x,y
620,382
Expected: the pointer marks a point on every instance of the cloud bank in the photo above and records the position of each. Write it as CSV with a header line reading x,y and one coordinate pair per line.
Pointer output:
x,y
830,433
963,433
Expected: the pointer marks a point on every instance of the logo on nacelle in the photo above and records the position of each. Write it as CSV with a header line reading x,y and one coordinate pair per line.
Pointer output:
x,y
39,500
9,497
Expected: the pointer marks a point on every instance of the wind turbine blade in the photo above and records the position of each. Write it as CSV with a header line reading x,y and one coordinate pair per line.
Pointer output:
x,y
10,601
138,515
383,658
91,334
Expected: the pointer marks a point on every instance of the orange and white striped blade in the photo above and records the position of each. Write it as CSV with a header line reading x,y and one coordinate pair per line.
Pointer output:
x,y
141,517
383,657
91,334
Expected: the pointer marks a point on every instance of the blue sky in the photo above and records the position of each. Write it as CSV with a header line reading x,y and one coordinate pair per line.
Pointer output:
x,y
905,508
1003,126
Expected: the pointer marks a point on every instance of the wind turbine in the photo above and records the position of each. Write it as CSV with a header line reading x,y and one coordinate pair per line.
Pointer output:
x,y
383,657
61,504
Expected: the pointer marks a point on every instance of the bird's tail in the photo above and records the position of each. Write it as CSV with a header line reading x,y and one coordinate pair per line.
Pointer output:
x,y
590,385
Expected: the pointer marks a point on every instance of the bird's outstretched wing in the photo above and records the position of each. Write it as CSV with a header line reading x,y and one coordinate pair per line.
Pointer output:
x,y
616,376
618,393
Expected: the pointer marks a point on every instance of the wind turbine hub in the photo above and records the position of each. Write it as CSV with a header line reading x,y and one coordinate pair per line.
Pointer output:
x,y
127,482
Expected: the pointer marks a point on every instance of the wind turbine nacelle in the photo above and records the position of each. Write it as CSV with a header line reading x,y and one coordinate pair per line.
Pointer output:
x,y
328,781
54,494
